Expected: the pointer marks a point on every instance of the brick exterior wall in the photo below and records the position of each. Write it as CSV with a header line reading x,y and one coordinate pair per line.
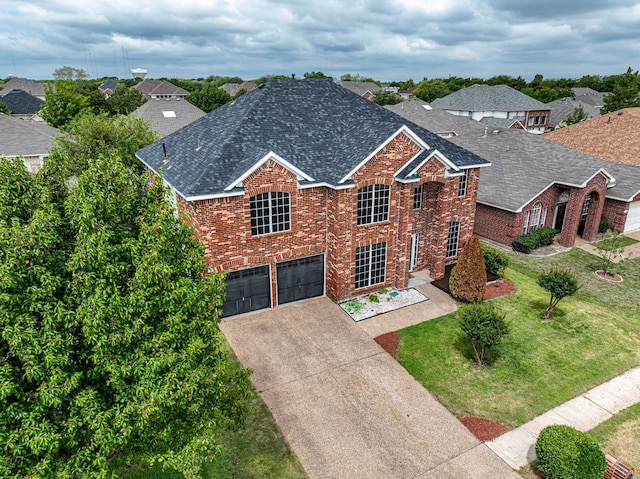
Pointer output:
x,y
616,212
503,226
324,221
534,113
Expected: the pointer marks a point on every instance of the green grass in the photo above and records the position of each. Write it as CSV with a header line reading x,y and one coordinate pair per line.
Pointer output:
x,y
589,339
257,451
622,241
620,436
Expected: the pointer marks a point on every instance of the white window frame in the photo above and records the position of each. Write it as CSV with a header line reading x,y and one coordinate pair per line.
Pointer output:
x,y
417,197
462,188
272,215
373,204
525,223
370,265
453,239
413,258
536,211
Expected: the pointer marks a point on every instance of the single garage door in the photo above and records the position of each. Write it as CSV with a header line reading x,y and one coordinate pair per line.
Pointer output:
x,y
300,279
633,217
247,290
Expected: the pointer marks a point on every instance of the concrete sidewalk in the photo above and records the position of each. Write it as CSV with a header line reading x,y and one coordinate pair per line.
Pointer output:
x,y
630,252
517,447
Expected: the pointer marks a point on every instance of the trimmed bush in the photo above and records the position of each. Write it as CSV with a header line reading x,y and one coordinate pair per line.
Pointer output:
x,y
603,226
468,279
495,261
484,327
525,243
545,235
560,283
566,453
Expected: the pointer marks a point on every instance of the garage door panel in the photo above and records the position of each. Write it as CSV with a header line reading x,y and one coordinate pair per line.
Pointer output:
x,y
247,290
300,279
633,217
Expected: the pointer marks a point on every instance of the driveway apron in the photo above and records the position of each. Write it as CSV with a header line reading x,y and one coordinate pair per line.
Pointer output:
x,y
346,407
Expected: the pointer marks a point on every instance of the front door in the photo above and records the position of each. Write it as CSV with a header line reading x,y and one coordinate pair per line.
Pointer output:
x,y
585,214
561,209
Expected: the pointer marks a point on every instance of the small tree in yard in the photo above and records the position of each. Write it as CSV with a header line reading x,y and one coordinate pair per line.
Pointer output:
x,y
610,249
468,280
560,283
484,327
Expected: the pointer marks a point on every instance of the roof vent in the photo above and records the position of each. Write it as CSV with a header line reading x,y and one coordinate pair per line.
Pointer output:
x,y
495,132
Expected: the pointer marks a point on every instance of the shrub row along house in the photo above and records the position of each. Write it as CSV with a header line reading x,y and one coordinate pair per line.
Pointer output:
x,y
303,188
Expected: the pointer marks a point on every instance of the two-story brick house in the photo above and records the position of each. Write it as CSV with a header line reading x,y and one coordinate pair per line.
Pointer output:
x,y
303,188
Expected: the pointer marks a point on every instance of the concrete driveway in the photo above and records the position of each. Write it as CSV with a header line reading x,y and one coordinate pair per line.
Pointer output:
x,y
346,407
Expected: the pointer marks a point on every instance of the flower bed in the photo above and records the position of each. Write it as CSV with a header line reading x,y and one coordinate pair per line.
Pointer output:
x,y
382,301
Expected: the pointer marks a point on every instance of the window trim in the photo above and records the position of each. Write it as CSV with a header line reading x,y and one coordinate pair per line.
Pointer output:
x,y
453,239
373,204
462,187
534,218
417,197
369,259
273,220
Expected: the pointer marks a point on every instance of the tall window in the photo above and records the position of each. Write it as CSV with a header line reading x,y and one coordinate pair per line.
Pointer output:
x,y
453,238
270,212
525,224
371,264
373,204
417,198
462,188
535,216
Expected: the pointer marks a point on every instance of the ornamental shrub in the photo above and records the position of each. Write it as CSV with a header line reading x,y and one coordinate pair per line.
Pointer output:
x,y
560,283
484,327
468,279
544,235
603,226
525,243
495,261
566,453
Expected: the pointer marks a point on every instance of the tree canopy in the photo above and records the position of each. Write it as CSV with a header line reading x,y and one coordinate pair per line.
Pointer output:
x,y
63,104
625,93
386,97
109,348
69,73
209,98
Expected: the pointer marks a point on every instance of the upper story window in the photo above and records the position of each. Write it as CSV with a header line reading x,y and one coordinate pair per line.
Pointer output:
x,y
270,212
373,204
531,120
462,188
417,197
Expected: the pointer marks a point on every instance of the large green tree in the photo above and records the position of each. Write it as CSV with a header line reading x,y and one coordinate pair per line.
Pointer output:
x,y
625,92
63,104
109,348
429,90
69,73
91,136
209,98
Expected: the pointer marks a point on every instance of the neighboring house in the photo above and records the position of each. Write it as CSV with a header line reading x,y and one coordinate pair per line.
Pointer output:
x,y
22,105
590,96
233,88
614,138
32,87
108,87
164,90
365,89
497,101
27,139
167,116
302,188
533,181
564,107
409,92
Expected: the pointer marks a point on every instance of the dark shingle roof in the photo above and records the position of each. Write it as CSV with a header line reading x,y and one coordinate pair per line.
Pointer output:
x,y
24,137
480,97
318,127
155,87
522,165
108,85
30,86
561,110
359,87
19,102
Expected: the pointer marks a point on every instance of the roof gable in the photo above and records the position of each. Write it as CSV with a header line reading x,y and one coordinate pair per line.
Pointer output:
x,y
480,97
19,102
316,128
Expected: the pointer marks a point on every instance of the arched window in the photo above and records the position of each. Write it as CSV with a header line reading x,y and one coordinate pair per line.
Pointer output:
x,y
535,216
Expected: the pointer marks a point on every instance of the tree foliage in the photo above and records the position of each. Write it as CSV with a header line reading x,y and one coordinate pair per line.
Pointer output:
x,y
625,92
63,104
209,98
109,346
576,116
560,284
429,90
92,136
468,280
4,109
484,326
67,73
386,97
610,249
317,76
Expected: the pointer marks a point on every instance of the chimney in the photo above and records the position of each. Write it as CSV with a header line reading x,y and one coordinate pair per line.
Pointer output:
x,y
293,76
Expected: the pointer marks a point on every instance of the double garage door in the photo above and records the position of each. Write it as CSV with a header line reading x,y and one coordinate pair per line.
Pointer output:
x,y
250,289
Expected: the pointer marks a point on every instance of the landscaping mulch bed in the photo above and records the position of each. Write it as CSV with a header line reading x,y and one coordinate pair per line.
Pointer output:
x,y
483,429
498,288
389,342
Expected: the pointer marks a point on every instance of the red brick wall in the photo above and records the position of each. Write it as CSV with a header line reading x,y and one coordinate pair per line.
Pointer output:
x,y
534,113
616,212
324,220
503,226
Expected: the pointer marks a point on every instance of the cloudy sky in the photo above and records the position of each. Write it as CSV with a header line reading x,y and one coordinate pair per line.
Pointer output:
x,y
384,39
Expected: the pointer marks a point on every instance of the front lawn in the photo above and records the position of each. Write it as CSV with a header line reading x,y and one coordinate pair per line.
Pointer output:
x,y
620,436
589,339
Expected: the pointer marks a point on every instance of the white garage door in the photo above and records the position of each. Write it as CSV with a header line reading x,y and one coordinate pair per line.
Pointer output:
x,y
633,217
